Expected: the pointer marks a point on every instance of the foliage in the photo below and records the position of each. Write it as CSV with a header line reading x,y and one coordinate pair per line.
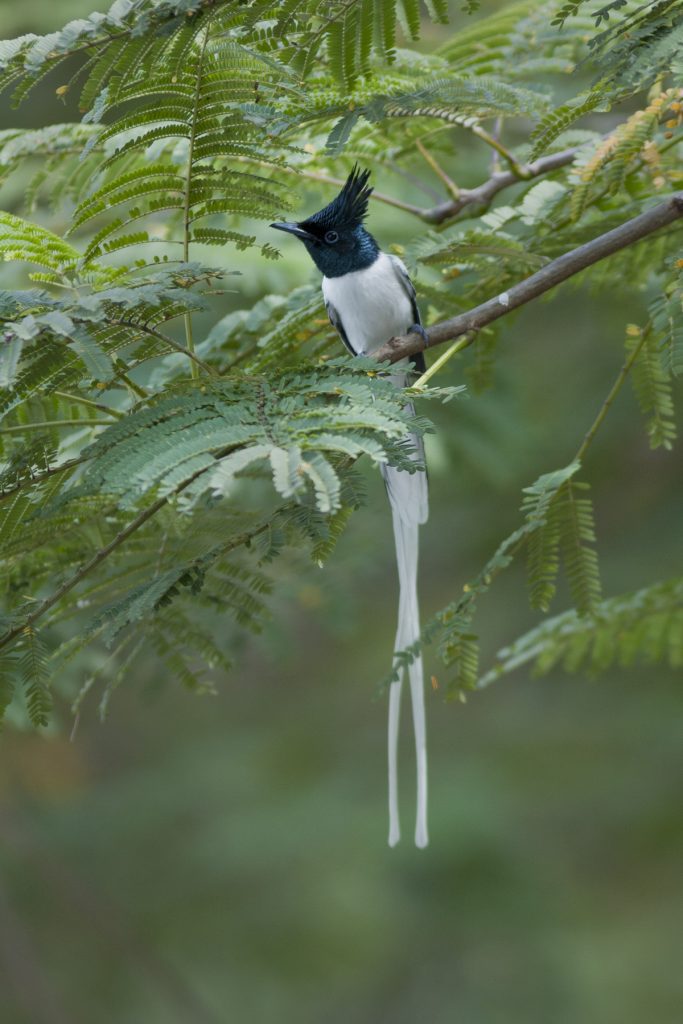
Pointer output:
x,y
157,457
646,626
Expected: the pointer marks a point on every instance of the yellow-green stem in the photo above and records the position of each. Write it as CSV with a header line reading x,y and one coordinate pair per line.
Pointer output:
x,y
55,423
457,346
189,340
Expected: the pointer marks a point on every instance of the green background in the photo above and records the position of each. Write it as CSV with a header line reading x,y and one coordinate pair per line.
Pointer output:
x,y
224,858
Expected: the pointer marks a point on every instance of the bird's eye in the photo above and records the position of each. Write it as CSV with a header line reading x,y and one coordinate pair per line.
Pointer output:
x,y
331,237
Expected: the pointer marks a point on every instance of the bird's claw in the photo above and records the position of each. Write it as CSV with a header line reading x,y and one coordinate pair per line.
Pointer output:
x,y
419,329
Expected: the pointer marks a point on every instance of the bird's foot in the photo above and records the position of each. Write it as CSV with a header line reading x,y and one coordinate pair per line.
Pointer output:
x,y
418,359
419,329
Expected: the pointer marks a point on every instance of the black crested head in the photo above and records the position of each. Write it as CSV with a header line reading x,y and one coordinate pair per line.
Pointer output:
x,y
350,208
335,237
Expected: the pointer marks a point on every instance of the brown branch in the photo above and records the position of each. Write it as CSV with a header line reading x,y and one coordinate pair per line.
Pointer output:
x,y
477,197
553,273
499,180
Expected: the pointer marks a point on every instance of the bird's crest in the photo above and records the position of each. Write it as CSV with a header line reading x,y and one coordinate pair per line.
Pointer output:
x,y
350,207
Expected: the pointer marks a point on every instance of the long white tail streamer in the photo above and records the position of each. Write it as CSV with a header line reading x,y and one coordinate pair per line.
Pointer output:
x,y
409,508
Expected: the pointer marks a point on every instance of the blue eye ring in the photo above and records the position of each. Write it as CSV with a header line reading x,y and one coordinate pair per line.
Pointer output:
x,y
331,237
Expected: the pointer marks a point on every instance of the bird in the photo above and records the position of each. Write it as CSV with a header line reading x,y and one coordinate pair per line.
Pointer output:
x,y
370,298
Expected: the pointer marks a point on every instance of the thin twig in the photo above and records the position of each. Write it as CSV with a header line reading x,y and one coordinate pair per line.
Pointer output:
x,y
100,406
520,171
29,481
451,187
444,358
92,563
160,336
412,178
100,556
55,423
479,196
497,131
606,405
381,197
493,571
188,189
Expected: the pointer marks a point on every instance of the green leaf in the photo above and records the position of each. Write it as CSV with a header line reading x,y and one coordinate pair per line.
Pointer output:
x,y
35,677
643,626
574,517
652,388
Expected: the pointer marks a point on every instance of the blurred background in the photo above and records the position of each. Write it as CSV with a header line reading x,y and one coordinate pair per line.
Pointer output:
x,y
224,858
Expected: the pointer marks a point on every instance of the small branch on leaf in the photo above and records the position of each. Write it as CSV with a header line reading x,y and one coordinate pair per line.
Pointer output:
x,y
607,404
479,196
520,171
92,563
122,374
100,556
451,187
55,423
513,544
482,194
497,131
37,478
160,336
187,206
543,280
100,406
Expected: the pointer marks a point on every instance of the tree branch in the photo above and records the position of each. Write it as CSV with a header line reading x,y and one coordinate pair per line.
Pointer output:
x,y
100,556
553,273
499,180
479,196
92,563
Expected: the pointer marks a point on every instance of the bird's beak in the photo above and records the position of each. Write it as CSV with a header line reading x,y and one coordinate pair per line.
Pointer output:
x,y
294,229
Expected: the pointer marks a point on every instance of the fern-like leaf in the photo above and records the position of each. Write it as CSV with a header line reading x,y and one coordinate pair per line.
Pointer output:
x,y
644,626
574,518
652,386
35,677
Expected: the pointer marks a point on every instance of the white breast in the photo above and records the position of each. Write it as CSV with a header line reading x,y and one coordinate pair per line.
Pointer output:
x,y
372,303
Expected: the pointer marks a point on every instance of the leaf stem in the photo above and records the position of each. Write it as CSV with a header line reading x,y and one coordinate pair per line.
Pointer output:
x,y
439,363
160,336
520,171
438,169
83,571
136,389
39,477
143,517
90,404
55,423
613,392
189,339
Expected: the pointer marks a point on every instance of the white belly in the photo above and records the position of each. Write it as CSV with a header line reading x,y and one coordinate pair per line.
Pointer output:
x,y
372,303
